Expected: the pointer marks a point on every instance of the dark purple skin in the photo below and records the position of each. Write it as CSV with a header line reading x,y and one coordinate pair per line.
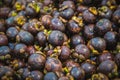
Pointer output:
x,y
20,48
67,13
8,2
2,26
81,8
73,27
4,50
107,67
11,46
105,2
65,53
46,20
53,64
36,61
78,73
83,50
103,26
63,78
105,56
111,40
56,38
88,68
41,38
47,2
23,73
56,24
76,40
30,49
4,70
4,11
10,22
12,32
68,3
89,17
30,11
25,37
98,44
87,2
3,40
117,59
89,31
25,26
116,16
32,26
36,75
106,14
50,76
70,63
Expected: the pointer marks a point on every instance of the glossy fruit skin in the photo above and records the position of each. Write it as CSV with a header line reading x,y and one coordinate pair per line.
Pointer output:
x,y
56,24
76,40
3,40
105,56
53,64
88,68
30,49
42,38
12,32
105,13
73,27
46,20
77,73
82,49
25,37
107,67
56,38
103,26
36,61
89,31
70,4
89,17
65,53
25,26
63,78
71,63
36,75
98,44
34,26
111,40
81,8
50,76
31,12
4,11
10,21
20,48
117,59
4,51
67,13
116,16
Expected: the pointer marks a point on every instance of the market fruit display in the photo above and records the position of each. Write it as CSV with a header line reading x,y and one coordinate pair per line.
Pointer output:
x,y
59,39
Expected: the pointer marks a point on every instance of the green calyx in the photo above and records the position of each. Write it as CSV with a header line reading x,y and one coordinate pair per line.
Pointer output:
x,y
35,6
